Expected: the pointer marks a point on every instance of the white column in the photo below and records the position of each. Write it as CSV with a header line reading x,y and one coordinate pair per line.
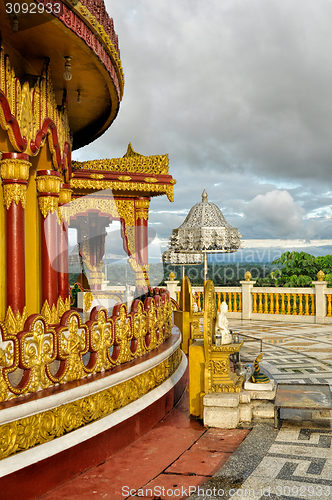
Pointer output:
x,y
171,287
247,298
320,287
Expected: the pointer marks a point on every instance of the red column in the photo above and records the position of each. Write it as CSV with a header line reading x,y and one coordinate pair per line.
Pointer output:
x,y
15,174
142,256
48,184
63,276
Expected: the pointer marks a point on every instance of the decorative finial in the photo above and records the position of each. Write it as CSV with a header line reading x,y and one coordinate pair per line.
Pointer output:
x,y
247,276
320,275
171,276
204,196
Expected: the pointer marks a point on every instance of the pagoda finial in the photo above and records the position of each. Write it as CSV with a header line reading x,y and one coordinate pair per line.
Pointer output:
x,y
130,152
204,196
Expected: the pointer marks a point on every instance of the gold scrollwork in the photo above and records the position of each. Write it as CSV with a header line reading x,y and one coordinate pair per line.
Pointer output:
x,y
88,299
30,431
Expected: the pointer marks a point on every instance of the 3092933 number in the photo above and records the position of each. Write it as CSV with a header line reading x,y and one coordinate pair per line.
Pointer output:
x,y
33,8
304,491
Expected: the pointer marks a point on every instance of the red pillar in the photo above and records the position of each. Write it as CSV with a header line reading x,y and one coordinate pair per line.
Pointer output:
x,y
48,184
63,276
142,241
15,174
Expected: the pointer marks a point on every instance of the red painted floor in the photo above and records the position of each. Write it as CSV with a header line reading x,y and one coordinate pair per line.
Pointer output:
x,y
176,455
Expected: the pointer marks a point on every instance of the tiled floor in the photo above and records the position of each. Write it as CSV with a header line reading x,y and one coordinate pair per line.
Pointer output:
x,y
176,454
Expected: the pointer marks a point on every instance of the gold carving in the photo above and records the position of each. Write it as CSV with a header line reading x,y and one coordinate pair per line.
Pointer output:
x,y
172,181
122,336
88,299
129,163
66,343
48,183
101,341
15,324
40,428
320,275
53,314
48,204
247,276
150,179
38,350
15,169
118,186
171,276
97,176
14,193
218,376
31,107
73,344
124,178
65,196
142,214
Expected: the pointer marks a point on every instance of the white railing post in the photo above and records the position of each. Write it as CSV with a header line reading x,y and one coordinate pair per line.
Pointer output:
x,y
320,287
247,298
172,286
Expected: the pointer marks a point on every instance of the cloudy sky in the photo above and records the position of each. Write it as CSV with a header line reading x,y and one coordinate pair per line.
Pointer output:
x,y
239,94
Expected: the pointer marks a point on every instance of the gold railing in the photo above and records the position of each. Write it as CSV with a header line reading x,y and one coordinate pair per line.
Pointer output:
x,y
232,299
299,304
42,356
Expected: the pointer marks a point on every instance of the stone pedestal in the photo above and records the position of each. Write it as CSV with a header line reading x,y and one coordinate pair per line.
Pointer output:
x,y
221,410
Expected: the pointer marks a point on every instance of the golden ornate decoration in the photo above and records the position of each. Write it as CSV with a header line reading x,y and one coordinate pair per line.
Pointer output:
x,y
48,183
122,335
129,163
218,376
53,314
101,340
247,276
117,208
31,107
139,328
14,193
48,204
320,275
100,33
15,323
53,355
171,276
118,186
150,179
65,196
142,214
30,431
88,299
15,169
172,181
124,178
38,350
97,176
73,344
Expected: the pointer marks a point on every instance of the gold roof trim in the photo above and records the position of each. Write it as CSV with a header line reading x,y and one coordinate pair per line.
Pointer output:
x,y
160,189
131,162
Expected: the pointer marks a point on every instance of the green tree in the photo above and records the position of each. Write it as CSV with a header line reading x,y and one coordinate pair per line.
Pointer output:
x,y
298,269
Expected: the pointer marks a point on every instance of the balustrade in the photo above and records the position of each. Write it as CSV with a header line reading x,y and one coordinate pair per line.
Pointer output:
x,y
41,356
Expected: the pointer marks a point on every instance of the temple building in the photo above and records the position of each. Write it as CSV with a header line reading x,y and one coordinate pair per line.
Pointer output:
x,y
61,84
